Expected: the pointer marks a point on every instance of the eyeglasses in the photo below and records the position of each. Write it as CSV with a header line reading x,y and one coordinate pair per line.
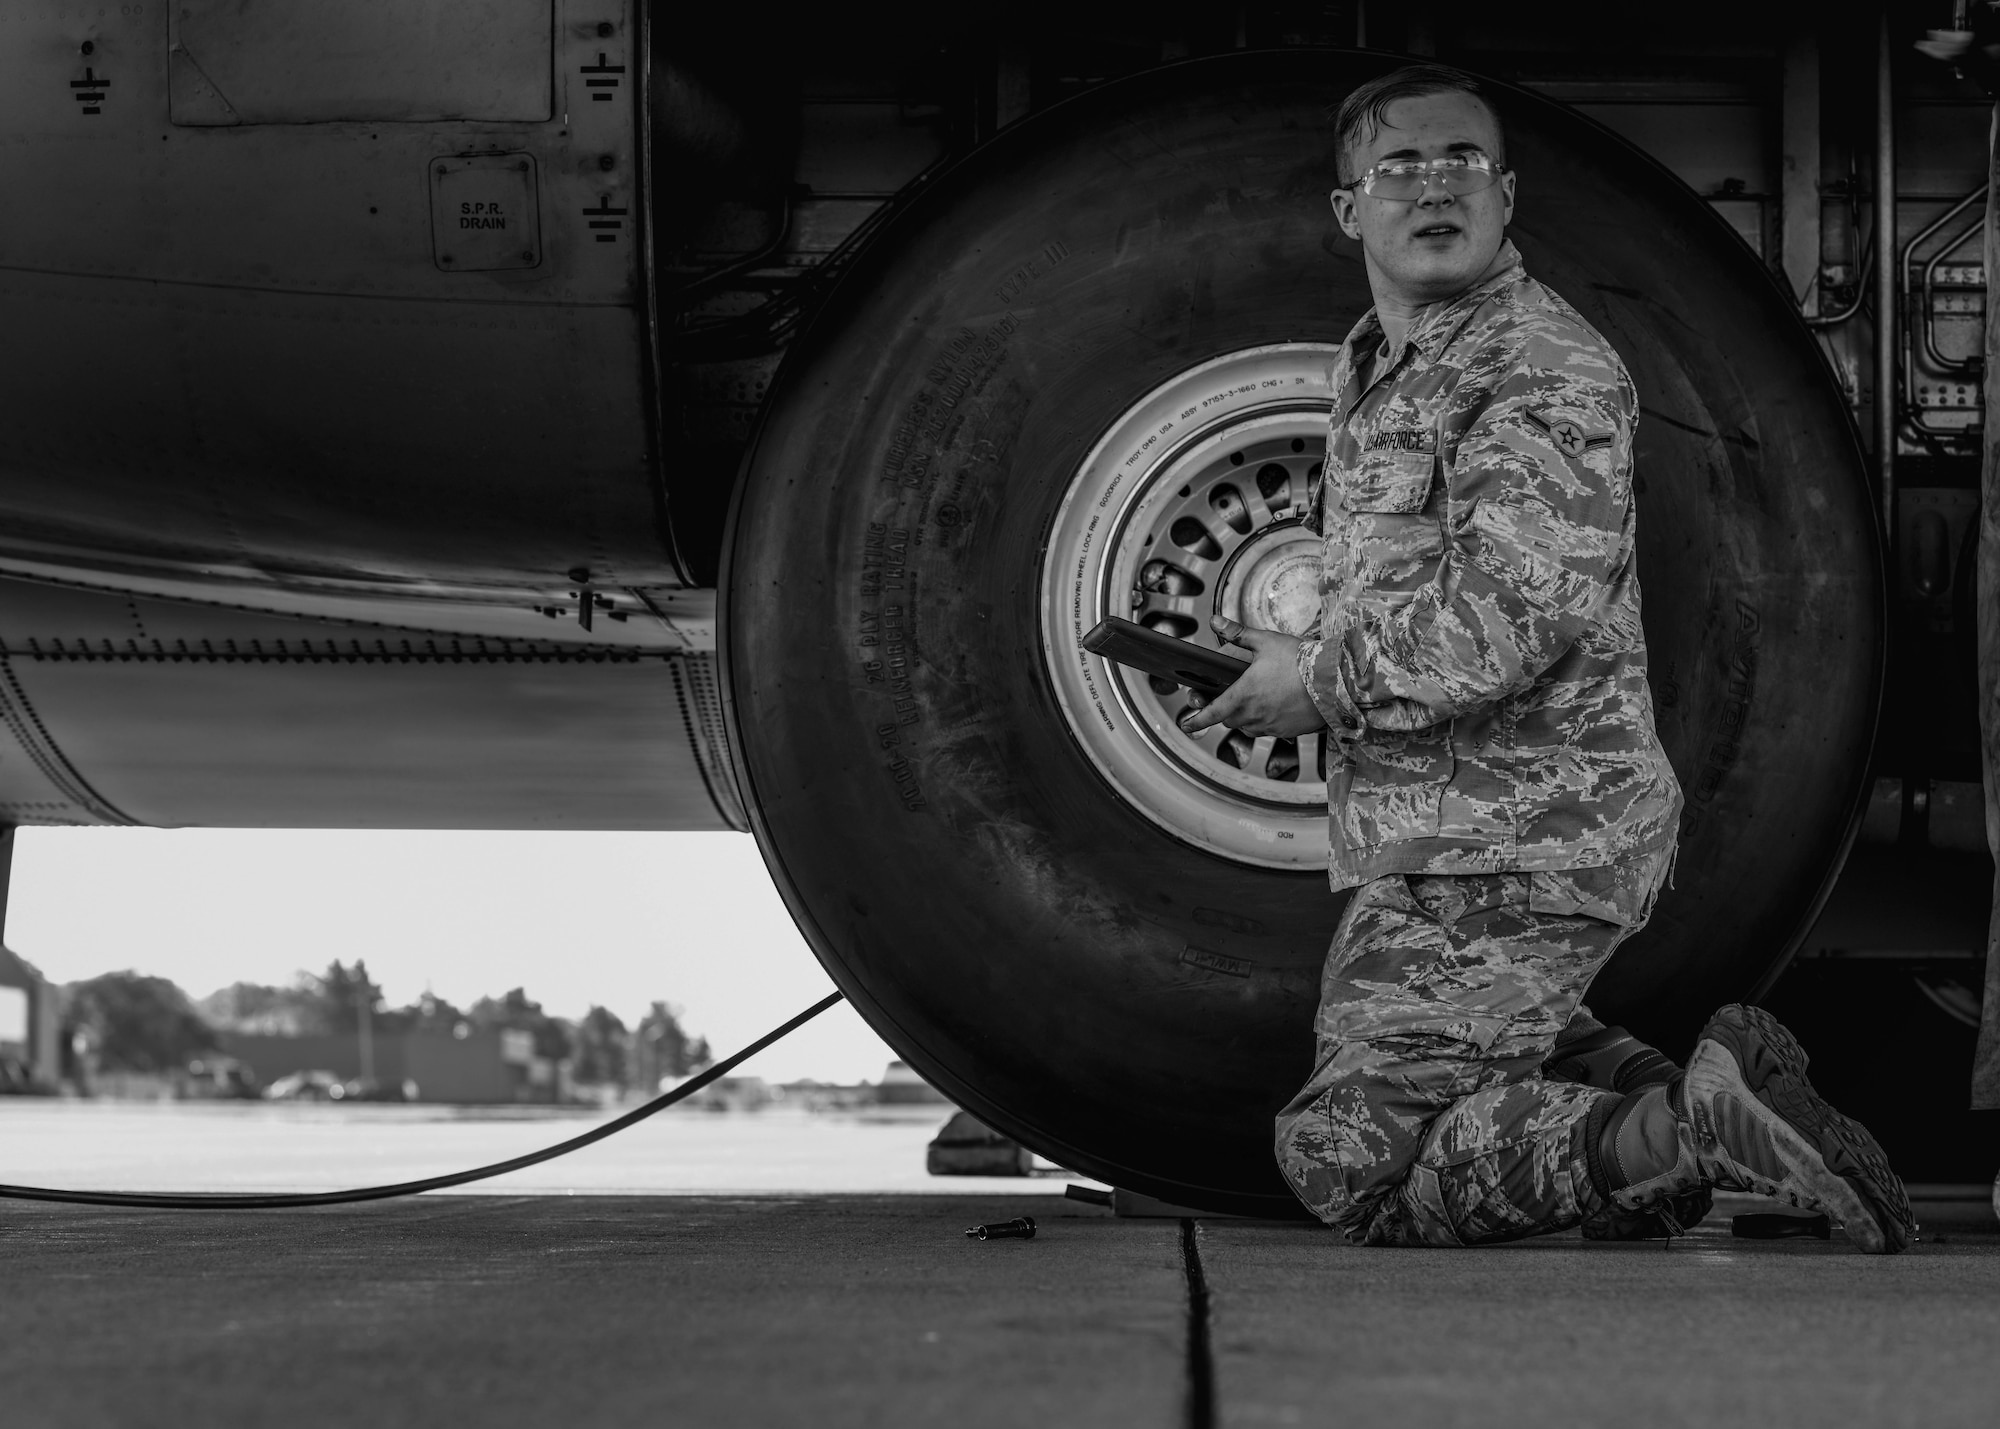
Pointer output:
x,y
1405,180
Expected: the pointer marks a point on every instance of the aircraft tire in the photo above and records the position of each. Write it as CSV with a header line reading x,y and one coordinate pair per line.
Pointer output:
x,y
1130,996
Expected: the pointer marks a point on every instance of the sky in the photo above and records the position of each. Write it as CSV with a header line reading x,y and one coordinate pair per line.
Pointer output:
x,y
574,918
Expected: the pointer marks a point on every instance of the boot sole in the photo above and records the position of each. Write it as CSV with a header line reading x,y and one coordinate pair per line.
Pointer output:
x,y
1833,1156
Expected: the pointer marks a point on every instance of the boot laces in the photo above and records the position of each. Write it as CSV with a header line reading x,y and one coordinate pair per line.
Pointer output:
x,y
1665,1211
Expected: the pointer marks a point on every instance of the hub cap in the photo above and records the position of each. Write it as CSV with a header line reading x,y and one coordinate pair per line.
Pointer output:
x,y
1192,505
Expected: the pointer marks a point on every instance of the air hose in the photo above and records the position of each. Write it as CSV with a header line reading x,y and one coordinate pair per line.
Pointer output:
x,y
257,1201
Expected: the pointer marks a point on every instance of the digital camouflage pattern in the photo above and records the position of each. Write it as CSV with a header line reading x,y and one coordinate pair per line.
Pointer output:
x,y
1428,1120
1479,658
1500,794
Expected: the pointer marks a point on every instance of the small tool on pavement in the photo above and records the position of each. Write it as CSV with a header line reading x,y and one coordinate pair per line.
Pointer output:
x,y
1021,1228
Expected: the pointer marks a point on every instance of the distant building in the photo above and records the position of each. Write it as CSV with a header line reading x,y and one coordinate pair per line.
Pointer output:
x,y
30,1021
733,1094
464,1064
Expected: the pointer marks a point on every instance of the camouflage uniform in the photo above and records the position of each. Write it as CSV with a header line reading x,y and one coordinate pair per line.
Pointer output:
x,y
1427,1121
1500,795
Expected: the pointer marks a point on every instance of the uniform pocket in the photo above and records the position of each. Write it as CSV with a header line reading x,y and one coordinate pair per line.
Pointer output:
x,y
1396,787
1392,539
1620,893
1393,1016
1390,483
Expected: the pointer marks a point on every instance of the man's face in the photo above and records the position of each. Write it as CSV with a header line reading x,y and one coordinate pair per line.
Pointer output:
x,y
1423,250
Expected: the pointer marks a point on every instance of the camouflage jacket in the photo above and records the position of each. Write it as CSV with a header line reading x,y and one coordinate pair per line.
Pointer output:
x,y
1479,659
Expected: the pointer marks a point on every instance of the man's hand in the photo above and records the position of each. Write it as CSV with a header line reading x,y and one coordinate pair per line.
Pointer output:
x,y
1267,698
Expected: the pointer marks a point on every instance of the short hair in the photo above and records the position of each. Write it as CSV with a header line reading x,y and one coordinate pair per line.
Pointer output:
x,y
1361,115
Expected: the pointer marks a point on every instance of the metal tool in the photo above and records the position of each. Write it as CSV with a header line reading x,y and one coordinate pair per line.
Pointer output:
x,y
1776,1225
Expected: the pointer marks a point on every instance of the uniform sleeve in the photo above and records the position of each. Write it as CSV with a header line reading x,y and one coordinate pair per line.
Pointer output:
x,y
1536,527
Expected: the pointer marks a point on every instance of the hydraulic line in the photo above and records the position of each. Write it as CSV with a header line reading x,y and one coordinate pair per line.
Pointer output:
x,y
1886,375
1917,318
260,1201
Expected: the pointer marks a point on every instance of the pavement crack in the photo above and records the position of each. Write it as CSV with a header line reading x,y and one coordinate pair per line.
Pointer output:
x,y
1200,1357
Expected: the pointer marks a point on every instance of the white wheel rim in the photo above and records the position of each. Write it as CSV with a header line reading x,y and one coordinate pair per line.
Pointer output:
x,y
1229,446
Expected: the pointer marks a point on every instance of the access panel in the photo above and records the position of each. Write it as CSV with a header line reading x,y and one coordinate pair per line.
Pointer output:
x,y
307,62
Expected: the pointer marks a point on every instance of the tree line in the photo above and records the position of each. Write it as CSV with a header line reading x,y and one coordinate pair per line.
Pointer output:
x,y
132,1022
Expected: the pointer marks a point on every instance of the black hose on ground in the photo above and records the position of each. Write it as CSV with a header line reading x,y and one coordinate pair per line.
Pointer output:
x,y
260,1201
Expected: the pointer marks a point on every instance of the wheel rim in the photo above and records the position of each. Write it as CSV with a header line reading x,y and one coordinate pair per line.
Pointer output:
x,y
1191,505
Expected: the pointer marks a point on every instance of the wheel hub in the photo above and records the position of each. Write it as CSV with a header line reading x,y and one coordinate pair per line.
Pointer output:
x,y
1192,505
1277,586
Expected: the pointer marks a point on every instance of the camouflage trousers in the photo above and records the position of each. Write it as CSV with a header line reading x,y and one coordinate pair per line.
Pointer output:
x,y
1427,1121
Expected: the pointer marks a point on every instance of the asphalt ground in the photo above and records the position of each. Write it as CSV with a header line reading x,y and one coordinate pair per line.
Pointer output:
x,y
503,1311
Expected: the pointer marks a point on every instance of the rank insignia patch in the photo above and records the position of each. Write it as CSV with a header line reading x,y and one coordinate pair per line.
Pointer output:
x,y
1570,438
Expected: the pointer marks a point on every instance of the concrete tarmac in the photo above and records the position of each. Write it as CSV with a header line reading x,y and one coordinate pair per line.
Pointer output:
x,y
876,1311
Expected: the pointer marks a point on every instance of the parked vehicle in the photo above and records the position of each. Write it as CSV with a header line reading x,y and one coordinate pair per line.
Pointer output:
x,y
314,1086
218,1079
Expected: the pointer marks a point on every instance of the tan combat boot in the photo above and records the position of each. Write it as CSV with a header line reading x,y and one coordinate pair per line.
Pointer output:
x,y
1744,1118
